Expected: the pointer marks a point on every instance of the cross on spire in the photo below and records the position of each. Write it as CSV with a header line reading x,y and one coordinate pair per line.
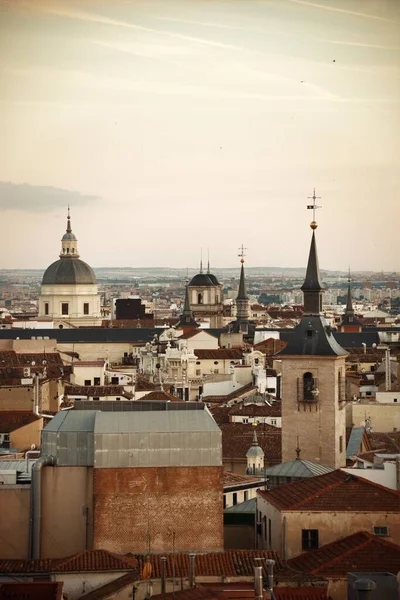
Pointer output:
x,y
241,253
313,206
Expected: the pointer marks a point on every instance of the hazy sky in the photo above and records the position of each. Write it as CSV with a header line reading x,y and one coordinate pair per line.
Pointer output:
x,y
170,125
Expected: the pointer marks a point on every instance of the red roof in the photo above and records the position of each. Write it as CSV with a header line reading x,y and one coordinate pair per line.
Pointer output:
x,y
238,437
360,552
257,410
249,389
300,593
232,479
11,420
161,395
335,491
34,590
219,354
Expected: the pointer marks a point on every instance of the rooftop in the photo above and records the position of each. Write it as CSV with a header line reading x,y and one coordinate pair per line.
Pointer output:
x,y
336,491
360,552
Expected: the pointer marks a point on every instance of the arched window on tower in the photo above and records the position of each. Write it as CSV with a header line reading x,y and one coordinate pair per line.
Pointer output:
x,y
308,386
200,298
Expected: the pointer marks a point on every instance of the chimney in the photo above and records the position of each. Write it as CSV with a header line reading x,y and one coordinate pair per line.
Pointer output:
x,y
163,569
192,574
270,573
364,588
258,583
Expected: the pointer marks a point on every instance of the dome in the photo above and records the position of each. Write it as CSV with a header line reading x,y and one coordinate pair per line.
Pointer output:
x,y
201,279
255,451
69,271
213,279
69,236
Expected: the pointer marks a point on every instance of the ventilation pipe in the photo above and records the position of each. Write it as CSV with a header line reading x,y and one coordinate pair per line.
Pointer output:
x,y
36,505
163,570
364,588
270,574
258,583
192,574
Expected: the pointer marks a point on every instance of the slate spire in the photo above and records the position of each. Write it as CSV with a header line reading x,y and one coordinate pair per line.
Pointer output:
x,y
242,299
349,304
312,286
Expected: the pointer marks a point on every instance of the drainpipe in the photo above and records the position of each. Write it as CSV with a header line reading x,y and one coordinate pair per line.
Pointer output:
x,y
192,558
36,505
284,539
36,394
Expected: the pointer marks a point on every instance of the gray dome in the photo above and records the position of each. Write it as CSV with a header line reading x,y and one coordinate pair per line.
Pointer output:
x,y
254,451
201,279
69,271
213,279
69,236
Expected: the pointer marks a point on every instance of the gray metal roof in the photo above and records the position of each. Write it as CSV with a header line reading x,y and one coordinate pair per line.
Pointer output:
x,y
140,438
297,468
354,443
248,506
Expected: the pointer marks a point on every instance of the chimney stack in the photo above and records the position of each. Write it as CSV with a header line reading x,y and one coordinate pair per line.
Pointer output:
x,y
163,569
258,583
270,573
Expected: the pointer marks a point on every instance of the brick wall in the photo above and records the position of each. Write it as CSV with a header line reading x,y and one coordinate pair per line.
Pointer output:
x,y
135,506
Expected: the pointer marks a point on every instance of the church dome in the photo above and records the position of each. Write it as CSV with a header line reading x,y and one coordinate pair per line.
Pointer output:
x,y
68,237
69,271
201,279
213,279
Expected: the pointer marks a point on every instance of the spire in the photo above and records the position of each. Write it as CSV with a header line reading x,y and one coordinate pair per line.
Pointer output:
x,y
242,299
255,440
69,228
349,304
208,261
312,286
201,260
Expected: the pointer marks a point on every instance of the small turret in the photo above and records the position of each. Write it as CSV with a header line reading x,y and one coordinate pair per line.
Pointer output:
x,y
255,458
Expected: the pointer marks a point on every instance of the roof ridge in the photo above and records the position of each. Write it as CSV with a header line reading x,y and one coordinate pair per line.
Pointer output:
x,y
339,557
319,491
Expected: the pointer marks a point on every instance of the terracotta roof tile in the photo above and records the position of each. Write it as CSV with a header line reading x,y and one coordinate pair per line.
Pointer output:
x,y
246,390
94,390
361,552
257,410
12,420
390,441
161,395
219,354
34,590
94,560
238,437
230,479
300,593
337,491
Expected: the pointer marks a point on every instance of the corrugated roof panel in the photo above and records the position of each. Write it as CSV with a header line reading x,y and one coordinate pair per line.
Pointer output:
x,y
297,468
354,443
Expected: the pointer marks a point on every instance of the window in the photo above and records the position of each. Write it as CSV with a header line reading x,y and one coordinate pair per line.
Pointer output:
x,y
118,398
67,250
114,380
309,539
199,298
273,422
245,496
264,526
269,533
86,308
96,398
394,399
64,308
224,501
234,499
198,372
308,386
46,308
341,444
216,371
381,531
88,382
73,250
96,381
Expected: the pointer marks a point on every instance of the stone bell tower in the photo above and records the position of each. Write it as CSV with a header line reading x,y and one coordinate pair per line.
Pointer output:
x,y
313,380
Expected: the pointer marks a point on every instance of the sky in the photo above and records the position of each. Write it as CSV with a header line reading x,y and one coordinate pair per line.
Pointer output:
x,y
170,126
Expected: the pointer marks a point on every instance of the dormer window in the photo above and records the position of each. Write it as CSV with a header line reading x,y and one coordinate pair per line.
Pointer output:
x,y
310,333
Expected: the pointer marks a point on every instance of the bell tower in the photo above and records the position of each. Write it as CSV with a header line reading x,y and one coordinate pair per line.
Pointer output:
x,y
313,379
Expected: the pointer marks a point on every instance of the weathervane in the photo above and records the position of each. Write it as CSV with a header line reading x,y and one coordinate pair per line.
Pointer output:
x,y
241,253
313,207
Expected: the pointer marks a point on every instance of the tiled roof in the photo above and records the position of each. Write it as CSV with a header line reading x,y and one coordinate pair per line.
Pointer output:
x,y
224,591
94,560
94,390
270,346
238,437
249,389
336,491
89,363
389,441
91,560
12,420
161,395
219,354
300,593
34,590
231,479
231,563
257,410
360,552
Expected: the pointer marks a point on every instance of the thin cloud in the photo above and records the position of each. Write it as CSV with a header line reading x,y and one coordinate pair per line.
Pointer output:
x,y
38,198
343,10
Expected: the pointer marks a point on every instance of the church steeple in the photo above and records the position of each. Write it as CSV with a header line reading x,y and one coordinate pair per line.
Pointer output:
x,y
69,243
349,304
242,299
312,286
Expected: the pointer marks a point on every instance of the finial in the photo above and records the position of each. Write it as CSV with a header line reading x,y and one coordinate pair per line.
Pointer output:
x,y
241,253
313,207
349,277
297,450
69,229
